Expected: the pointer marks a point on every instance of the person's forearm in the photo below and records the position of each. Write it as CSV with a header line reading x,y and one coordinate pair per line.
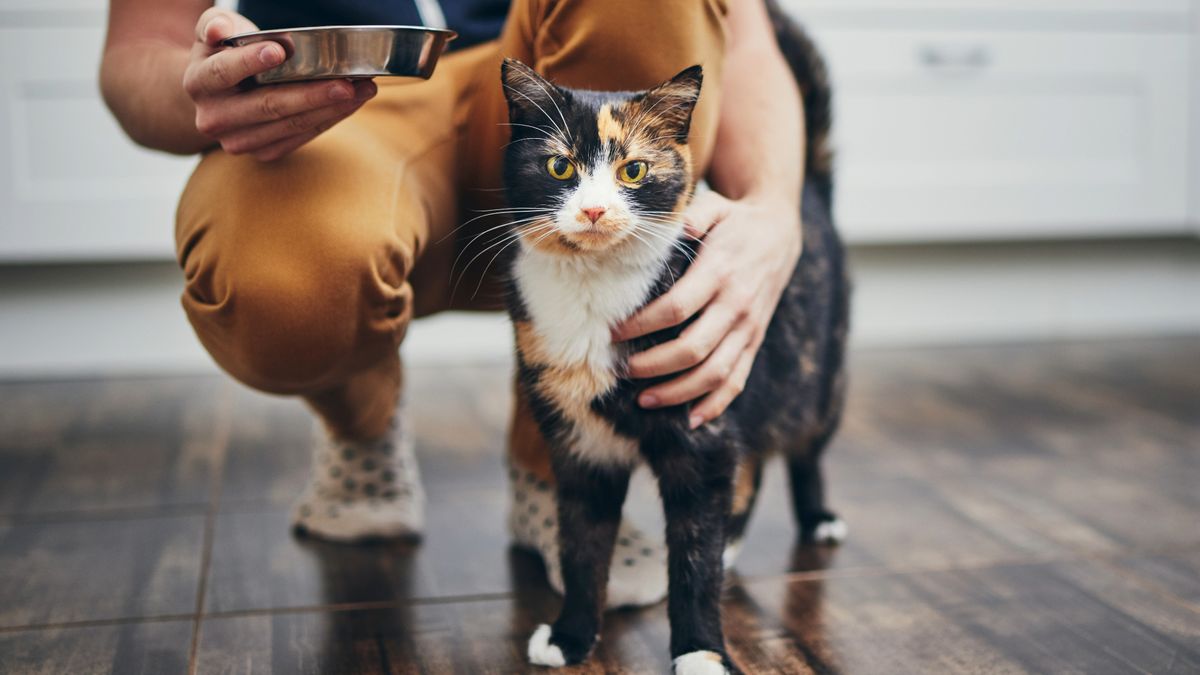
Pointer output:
x,y
142,83
760,134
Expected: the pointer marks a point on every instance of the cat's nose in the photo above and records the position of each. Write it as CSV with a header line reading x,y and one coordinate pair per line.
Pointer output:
x,y
594,213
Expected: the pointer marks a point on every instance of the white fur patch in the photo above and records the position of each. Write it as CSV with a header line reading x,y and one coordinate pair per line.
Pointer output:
x,y
541,652
594,191
699,663
831,532
730,556
575,300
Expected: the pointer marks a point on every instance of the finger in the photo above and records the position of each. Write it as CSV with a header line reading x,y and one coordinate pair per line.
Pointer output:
x,y
689,295
216,24
226,69
705,211
702,379
267,104
691,348
287,146
263,136
712,406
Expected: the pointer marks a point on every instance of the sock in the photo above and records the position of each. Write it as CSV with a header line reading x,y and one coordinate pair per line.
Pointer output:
x,y
362,489
638,575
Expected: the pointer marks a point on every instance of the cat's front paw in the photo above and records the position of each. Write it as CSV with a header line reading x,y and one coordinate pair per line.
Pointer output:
x,y
556,651
700,663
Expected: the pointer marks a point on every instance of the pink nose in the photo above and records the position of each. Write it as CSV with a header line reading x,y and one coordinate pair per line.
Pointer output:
x,y
594,213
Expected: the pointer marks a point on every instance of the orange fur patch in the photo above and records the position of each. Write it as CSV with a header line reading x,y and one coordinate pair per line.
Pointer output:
x,y
571,388
607,126
527,448
744,487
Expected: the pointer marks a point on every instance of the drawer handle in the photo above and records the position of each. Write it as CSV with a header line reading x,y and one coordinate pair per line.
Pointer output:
x,y
955,58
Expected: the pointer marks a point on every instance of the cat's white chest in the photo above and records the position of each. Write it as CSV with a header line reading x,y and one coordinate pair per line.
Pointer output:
x,y
573,304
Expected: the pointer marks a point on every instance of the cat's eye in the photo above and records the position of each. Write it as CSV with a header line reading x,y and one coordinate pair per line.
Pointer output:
x,y
560,167
633,172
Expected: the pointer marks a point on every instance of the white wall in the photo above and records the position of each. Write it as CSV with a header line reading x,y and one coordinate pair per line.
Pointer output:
x,y
69,319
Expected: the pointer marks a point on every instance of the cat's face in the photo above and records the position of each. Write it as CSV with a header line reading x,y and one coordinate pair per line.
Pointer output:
x,y
595,172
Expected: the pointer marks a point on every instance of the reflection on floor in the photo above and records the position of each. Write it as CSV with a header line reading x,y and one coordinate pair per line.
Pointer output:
x,y
1016,509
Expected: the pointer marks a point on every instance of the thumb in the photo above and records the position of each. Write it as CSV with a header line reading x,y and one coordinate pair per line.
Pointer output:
x,y
216,24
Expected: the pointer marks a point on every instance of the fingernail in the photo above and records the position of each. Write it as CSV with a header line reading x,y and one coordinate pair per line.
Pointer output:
x,y
339,93
695,421
269,55
648,400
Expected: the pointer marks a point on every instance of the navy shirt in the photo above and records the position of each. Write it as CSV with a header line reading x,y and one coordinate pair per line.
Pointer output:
x,y
475,20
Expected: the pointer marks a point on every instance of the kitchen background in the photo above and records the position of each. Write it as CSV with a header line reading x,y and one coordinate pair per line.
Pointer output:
x,y
1009,170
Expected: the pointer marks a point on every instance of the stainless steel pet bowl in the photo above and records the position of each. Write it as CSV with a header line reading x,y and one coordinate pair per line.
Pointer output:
x,y
332,52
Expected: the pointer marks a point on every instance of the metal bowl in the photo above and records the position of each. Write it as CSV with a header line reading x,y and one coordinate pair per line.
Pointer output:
x,y
334,52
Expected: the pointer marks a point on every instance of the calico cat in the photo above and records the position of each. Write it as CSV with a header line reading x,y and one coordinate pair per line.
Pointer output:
x,y
600,180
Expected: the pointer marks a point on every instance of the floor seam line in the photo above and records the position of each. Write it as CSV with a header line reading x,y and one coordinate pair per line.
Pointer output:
x,y
221,450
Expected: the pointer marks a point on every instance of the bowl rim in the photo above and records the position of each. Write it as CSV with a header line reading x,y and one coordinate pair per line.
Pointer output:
x,y
450,35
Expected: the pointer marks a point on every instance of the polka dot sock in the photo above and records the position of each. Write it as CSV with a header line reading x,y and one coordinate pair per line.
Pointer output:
x,y
362,490
638,576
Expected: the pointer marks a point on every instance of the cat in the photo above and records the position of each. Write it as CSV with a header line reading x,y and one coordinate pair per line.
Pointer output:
x,y
600,180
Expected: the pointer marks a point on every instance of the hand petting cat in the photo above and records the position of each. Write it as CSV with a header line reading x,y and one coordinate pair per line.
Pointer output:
x,y
750,248
753,240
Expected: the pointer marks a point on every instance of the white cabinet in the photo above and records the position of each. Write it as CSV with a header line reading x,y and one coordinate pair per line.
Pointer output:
x,y
958,135
1001,123
72,187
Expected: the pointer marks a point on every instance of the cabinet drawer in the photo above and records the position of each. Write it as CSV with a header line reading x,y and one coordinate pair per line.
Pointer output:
x,y
960,135
73,186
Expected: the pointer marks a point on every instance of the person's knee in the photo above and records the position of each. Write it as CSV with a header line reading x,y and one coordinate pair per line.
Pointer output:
x,y
297,319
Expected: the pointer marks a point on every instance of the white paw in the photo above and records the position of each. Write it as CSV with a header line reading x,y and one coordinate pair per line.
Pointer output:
x,y
730,556
831,532
541,652
699,663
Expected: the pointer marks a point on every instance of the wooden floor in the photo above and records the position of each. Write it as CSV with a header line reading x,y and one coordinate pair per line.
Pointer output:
x,y
1012,509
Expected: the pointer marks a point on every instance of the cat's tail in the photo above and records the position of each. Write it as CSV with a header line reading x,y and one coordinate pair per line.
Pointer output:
x,y
808,67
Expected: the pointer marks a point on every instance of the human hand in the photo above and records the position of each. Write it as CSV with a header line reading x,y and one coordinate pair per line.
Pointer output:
x,y
265,122
750,249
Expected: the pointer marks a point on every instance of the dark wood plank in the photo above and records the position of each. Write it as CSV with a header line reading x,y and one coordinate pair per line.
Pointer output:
x,y
469,637
1175,577
152,648
104,445
1077,617
88,570
259,564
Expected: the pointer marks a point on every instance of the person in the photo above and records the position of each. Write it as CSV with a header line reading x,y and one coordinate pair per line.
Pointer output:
x,y
324,216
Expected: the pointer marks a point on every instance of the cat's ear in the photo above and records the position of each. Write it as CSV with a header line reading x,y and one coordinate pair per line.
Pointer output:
x,y
532,99
671,103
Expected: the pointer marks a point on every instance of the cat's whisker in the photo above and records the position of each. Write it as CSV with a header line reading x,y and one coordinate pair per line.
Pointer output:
x,y
549,136
542,85
560,130
484,213
467,246
483,276
502,240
